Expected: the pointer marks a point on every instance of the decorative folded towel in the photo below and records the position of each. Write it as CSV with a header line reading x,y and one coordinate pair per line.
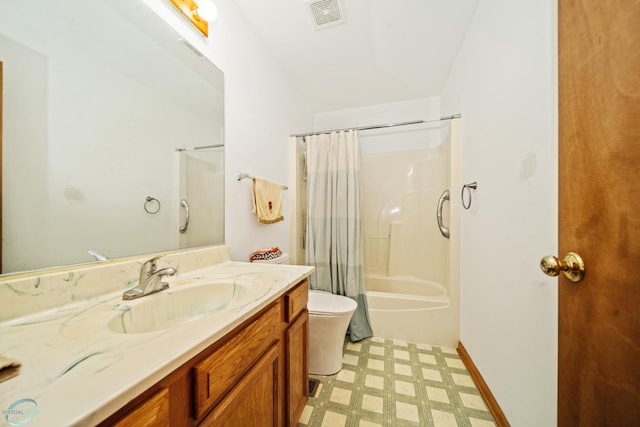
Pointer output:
x,y
8,368
267,201
265,254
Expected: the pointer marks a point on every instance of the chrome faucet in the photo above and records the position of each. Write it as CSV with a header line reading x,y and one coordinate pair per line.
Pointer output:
x,y
97,256
150,280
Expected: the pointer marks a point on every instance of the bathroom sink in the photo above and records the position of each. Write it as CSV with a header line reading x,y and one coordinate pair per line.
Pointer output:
x,y
177,305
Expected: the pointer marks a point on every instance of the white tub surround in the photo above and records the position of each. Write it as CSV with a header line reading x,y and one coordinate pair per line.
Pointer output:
x,y
412,272
410,309
77,369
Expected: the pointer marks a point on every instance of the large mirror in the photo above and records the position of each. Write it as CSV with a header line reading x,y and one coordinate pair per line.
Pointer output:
x,y
103,106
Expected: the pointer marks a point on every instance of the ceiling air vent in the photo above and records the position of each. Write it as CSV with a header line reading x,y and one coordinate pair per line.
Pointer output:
x,y
325,13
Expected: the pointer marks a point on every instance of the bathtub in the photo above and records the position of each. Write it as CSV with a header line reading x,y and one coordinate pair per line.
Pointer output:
x,y
411,309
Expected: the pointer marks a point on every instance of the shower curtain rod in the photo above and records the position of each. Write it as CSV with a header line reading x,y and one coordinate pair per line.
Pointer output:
x,y
388,125
200,148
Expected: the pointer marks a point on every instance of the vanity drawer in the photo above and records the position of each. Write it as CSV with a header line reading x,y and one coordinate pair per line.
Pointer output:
x,y
220,371
296,300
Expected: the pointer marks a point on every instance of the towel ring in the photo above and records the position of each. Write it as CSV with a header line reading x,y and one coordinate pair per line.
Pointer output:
x,y
468,187
151,205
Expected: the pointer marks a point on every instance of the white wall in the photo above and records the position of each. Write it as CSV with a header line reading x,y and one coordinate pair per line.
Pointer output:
x,y
261,110
504,84
394,112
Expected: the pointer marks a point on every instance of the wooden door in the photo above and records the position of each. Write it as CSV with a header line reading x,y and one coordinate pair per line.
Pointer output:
x,y
599,212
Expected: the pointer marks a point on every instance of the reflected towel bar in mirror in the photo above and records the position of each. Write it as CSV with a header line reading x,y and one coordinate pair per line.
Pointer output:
x,y
242,175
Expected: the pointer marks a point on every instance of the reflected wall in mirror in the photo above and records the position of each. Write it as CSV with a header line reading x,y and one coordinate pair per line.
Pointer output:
x,y
99,95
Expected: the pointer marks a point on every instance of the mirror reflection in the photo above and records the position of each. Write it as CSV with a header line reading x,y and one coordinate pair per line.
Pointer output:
x,y
104,113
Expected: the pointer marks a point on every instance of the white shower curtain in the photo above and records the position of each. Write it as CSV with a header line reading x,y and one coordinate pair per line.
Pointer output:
x,y
334,222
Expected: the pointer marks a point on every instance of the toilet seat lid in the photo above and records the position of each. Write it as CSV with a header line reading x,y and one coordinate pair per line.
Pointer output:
x,y
321,302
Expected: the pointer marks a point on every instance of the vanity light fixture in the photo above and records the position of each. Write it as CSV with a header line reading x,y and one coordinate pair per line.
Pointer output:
x,y
199,12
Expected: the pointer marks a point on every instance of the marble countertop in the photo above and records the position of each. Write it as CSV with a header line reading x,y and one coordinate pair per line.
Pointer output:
x,y
79,371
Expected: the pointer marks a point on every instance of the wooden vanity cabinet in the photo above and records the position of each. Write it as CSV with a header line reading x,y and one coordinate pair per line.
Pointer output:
x,y
256,375
296,344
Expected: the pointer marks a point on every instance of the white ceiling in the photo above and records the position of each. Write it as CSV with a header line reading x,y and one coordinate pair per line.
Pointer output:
x,y
387,51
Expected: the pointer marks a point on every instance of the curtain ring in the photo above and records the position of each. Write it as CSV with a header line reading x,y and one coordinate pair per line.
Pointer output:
x,y
151,205
468,187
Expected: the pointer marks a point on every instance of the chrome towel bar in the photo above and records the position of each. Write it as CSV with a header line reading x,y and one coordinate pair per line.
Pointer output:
x,y
471,186
243,175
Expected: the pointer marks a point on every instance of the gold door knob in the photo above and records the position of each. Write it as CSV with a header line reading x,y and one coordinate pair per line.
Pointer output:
x,y
571,265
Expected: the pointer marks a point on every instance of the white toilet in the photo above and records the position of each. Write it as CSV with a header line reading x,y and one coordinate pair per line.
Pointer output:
x,y
329,317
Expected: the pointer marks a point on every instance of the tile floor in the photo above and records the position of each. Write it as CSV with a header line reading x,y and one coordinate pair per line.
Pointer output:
x,y
394,383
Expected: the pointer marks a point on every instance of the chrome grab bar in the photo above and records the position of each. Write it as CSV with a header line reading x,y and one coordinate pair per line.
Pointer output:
x,y
443,197
185,226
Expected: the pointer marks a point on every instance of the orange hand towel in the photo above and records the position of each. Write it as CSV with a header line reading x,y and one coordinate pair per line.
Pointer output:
x,y
267,201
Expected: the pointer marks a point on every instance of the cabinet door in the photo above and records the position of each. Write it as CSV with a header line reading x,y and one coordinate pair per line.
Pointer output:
x,y
297,372
224,368
254,400
154,412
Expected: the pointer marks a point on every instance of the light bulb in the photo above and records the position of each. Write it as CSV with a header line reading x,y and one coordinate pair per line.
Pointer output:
x,y
207,10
